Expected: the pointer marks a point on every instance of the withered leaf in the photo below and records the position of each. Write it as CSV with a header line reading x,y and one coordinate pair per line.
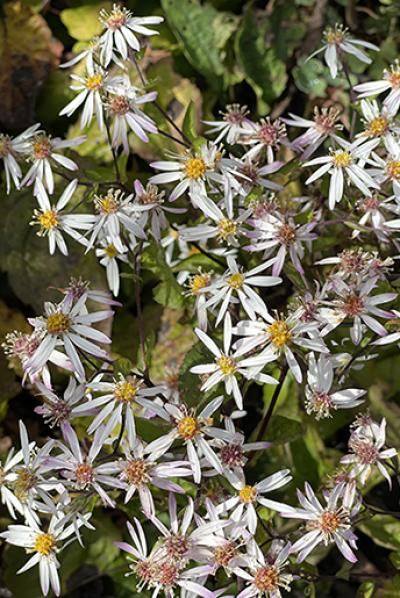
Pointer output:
x,y
28,53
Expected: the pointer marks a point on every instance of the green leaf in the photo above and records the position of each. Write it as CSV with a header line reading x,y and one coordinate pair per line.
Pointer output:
x,y
194,25
168,292
384,531
83,22
189,384
366,590
263,69
189,122
33,274
310,77
283,429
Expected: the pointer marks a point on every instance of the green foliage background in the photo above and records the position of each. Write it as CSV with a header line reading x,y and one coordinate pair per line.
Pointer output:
x,y
208,54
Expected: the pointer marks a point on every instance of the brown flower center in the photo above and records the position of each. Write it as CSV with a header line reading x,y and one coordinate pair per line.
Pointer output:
x,y
266,578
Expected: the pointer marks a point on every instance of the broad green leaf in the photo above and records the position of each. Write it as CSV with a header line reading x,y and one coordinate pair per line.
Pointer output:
x,y
310,77
194,26
384,531
282,429
33,274
263,69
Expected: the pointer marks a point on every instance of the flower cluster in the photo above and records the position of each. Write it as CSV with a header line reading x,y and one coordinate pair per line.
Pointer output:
x,y
269,308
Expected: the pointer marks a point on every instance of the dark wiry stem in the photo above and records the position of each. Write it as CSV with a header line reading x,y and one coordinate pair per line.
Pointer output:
x,y
114,154
268,415
158,106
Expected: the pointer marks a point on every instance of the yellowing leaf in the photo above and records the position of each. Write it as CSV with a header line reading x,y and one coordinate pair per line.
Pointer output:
x,y
83,22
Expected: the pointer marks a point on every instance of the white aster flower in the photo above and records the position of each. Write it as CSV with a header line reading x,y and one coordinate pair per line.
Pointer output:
x,y
320,128
271,233
53,222
225,226
43,151
357,304
196,285
338,42
79,470
367,448
140,471
326,524
387,168
242,506
109,256
189,427
121,30
228,364
21,346
319,398
231,124
179,544
390,81
11,149
150,202
45,545
267,572
157,572
277,336
116,402
56,411
344,162
191,170
237,282
90,88
65,324
379,124
264,136
115,214
123,105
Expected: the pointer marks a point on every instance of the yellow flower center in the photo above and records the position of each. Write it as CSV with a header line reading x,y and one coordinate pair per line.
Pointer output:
x,y
198,282
48,219
341,159
393,169
227,365
247,494
195,168
188,427
236,280
58,323
279,333
26,480
334,35
116,19
378,126
45,544
107,204
125,391
266,579
94,82
226,228
111,251
41,148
